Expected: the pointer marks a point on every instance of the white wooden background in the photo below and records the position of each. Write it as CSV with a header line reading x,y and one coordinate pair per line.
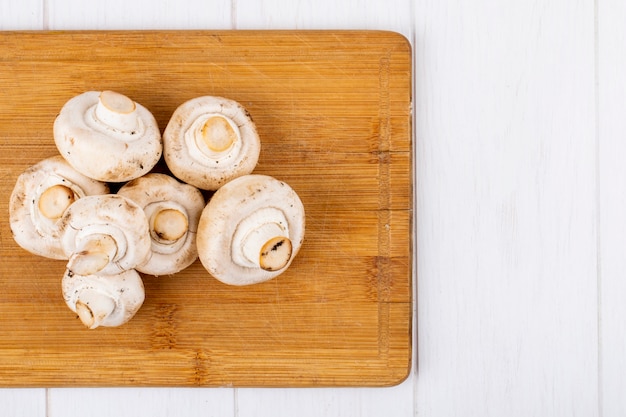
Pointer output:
x,y
520,121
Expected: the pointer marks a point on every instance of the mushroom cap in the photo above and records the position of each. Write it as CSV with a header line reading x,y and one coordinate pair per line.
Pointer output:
x,y
107,301
230,213
157,193
204,162
33,231
110,215
104,152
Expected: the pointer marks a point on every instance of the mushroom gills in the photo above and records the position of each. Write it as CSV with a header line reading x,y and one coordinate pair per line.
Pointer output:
x,y
261,240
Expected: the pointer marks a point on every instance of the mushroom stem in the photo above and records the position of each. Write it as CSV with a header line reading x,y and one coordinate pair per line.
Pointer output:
x,y
169,225
55,200
268,247
214,137
93,307
117,111
275,254
93,254
217,134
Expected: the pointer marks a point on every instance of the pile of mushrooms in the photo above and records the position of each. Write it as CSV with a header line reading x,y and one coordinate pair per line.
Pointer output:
x,y
64,207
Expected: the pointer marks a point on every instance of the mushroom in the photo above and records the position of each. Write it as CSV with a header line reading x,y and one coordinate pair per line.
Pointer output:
x,y
173,210
107,136
209,141
107,301
250,230
105,235
41,195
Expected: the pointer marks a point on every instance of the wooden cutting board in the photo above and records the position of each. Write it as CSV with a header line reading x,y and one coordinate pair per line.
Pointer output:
x,y
333,110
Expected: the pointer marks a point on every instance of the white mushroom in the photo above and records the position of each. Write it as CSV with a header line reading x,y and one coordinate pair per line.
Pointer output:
x,y
209,141
39,199
250,230
173,210
105,235
107,136
107,301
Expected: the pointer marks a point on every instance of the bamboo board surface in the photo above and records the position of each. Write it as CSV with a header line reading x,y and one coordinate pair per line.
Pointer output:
x,y
333,110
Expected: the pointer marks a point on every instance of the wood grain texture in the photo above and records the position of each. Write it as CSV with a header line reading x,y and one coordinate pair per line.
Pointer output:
x,y
612,183
506,208
312,95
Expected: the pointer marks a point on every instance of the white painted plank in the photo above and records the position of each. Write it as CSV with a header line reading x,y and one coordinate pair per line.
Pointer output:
x,y
23,402
344,402
21,15
140,402
507,298
612,170
395,15
124,14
